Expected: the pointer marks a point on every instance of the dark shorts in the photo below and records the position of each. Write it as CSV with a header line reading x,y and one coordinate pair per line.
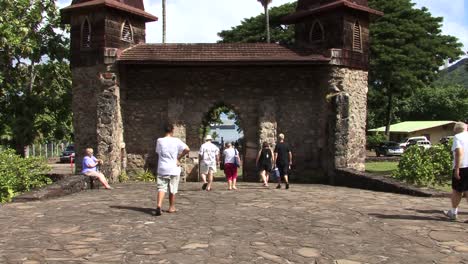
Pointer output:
x,y
265,167
283,169
462,184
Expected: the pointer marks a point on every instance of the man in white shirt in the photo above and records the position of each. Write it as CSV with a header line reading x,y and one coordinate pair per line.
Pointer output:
x,y
170,150
460,168
209,159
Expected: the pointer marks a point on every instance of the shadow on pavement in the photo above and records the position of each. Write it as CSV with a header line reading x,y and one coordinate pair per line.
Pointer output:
x,y
433,211
149,211
410,217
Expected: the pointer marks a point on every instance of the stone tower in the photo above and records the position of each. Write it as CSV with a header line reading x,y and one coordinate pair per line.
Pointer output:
x,y
100,31
339,29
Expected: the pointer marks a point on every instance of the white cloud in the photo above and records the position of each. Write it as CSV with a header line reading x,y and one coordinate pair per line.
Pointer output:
x,y
190,21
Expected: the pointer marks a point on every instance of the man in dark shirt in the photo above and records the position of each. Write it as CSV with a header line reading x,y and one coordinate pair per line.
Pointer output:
x,y
283,160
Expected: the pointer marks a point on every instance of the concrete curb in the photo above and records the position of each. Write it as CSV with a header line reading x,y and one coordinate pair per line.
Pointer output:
x,y
362,180
65,186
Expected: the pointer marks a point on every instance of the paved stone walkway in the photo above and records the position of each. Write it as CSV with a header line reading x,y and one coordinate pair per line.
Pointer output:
x,y
306,224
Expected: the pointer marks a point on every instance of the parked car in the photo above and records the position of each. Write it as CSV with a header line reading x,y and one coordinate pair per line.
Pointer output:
x,y
389,148
68,154
421,143
445,140
406,141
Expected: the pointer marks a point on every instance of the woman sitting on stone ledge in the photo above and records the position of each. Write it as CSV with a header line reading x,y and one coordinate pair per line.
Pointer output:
x,y
90,164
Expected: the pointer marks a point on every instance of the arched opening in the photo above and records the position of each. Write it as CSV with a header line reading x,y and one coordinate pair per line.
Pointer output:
x,y
86,34
357,37
126,32
316,33
223,124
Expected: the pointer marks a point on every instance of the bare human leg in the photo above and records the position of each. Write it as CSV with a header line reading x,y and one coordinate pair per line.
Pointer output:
x,y
234,181
171,203
210,180
103,180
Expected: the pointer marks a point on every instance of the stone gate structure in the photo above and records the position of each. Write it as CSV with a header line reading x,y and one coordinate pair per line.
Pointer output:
x,y
315,92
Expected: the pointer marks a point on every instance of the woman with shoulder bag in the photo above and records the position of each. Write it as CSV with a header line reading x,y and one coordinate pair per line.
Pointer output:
x,y
265,162
231,161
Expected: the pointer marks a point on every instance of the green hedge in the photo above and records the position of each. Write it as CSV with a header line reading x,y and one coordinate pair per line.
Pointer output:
x,y
426,167
19,174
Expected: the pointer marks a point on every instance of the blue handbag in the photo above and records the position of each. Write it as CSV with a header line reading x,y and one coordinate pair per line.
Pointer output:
x,y
236,159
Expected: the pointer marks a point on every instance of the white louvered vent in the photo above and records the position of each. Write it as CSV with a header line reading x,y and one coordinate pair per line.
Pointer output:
x,y
127,32
316,33
86,34
357,37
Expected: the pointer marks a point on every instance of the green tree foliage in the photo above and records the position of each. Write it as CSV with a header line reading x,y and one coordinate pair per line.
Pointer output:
x,y
374,140
407,50
252,30
436,103
426,167
35,82
19,175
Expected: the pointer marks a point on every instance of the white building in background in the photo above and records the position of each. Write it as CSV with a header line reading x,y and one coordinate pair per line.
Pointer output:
x,y
227,131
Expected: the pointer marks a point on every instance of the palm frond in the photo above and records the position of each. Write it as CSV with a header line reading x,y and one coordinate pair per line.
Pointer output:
x,y
265,2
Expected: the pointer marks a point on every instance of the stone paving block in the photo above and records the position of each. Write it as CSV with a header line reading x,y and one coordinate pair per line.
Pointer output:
x,y
309,224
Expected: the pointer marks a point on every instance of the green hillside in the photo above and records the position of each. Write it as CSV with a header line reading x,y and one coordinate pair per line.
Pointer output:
x,y
455,74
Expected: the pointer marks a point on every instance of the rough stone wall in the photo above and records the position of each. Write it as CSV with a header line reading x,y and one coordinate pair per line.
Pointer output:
x,y
350,110
111,146
288,99
96,117
84,106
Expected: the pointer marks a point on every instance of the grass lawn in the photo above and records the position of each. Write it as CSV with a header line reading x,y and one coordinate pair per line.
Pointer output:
x,y
386,168
381,167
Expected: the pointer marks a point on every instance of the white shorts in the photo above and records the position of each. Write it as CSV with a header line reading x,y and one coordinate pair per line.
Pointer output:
x,y
168,183
205,168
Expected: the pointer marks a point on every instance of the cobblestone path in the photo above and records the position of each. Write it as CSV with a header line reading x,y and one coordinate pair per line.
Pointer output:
x,y
306,224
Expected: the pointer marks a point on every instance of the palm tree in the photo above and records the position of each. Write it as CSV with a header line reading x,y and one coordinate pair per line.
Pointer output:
x,y
164,21
265,4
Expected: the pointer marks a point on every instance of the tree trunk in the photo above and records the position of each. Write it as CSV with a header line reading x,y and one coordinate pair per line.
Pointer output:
x,y
164,21
267,17
388,120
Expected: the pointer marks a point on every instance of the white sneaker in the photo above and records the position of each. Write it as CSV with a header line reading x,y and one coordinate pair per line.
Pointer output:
x,y
450,215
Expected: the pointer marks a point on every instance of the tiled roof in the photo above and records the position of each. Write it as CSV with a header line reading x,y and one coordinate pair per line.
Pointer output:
x,y
212,53
117,4
294,17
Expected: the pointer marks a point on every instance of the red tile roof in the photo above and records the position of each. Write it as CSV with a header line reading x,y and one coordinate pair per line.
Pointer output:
x,y
219,53
117,4
294,17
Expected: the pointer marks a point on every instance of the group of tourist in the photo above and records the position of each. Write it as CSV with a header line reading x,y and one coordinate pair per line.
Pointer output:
x,y
171,150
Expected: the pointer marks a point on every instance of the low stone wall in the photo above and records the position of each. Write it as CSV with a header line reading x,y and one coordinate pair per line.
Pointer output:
x,y
361,180
67,185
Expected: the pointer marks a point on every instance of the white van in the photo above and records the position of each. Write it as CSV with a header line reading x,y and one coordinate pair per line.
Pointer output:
x,y
405,142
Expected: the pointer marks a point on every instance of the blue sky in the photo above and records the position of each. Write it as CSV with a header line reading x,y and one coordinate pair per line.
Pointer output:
x,y
198,21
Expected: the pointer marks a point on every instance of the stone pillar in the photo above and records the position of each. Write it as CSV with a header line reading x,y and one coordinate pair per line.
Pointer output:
x,y
109,119
267,122
347,137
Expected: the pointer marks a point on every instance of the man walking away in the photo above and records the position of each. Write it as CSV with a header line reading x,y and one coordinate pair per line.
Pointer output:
x,y
460,168
170,150
283,160
209,159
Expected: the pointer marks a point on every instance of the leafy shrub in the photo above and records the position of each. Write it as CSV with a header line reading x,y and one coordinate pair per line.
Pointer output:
x,y
145,176
374,140
123,177
19,174
426,167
